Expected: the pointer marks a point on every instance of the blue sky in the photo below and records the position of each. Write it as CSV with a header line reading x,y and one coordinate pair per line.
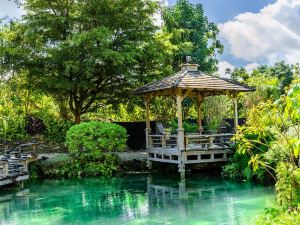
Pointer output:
x,y
254,32
220,11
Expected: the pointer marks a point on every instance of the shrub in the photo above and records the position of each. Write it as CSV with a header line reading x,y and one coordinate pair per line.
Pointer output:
x,y
278,216
189,127
94,138
12,128
34,125
106,166
56,128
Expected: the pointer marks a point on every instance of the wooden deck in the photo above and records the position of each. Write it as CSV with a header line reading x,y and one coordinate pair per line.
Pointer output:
x,y
198,148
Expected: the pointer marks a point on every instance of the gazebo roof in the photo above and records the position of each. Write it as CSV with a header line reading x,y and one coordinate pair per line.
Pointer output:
x,y
189,78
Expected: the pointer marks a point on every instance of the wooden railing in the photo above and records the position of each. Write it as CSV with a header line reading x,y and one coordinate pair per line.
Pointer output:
x,y
162,141
209,141
192,141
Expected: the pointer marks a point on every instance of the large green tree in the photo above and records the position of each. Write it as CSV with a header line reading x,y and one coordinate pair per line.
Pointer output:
x,y
85,52
193,34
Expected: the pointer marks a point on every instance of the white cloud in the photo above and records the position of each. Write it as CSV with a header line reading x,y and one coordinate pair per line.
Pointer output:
x,y
250,67
223,65
158,21
271,35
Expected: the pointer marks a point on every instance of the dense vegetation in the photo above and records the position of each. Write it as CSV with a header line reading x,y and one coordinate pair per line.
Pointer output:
x,y
268,148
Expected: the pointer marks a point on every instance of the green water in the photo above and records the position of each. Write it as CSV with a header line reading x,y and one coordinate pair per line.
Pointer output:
x,y
135,200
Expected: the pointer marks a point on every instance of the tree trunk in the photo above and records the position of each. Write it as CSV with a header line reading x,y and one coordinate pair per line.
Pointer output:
x,y
77,119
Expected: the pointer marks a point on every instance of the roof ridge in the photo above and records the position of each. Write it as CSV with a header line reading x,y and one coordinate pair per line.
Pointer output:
x,y
156,81
180,78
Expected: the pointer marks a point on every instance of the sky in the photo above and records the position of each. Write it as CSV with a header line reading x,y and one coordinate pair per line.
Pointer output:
x,y
253,32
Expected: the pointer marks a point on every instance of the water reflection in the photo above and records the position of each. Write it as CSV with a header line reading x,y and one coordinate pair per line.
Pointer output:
x,y
208,200
134,200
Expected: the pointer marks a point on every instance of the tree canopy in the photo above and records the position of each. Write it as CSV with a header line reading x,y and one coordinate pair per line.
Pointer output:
x,y
83,51
193,34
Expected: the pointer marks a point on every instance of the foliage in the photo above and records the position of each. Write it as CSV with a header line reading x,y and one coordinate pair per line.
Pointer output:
x,y
266,89
23,109
56,128
271,140
34,126
163,108
12,128
281,71
288,185
278,216
188,126
74,52
105,165
92,139
193,35
238,74
238,169
215,109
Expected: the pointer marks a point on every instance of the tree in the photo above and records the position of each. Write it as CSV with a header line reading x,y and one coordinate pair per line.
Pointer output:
x,y
193,34
84,52
238,74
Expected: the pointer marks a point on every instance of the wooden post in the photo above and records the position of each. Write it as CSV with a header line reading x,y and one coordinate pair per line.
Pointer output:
x,y
148,127
5,169
236,117
163,141
181,170
199,103
211,141
180,136
180,130
34,148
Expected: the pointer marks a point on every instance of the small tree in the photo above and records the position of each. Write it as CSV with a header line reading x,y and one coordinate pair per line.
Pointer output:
x,y
271,138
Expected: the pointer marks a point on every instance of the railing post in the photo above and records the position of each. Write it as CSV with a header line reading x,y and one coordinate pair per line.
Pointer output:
x,y
163,141
5,169
211,141
186,142
236,116
149,141
199,103
148,127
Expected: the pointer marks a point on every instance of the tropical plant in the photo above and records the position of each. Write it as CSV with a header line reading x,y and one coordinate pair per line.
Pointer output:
x,y
93,139
271,138
105,166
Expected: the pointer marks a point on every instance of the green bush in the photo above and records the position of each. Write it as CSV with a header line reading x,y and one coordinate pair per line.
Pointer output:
x,y
94,138
56,128
105,165
12,128
279,216
238,168
188,127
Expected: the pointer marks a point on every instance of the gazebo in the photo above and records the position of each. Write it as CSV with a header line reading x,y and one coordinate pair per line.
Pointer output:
x,y
184,148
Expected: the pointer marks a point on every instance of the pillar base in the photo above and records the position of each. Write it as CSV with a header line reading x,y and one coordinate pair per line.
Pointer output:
x,y
149,164
181,170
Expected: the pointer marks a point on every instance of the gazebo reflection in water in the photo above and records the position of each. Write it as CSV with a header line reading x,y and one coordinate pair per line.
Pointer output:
x,y
184,148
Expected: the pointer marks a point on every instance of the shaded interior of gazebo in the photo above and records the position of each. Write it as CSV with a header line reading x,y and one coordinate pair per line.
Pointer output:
x,y
184,148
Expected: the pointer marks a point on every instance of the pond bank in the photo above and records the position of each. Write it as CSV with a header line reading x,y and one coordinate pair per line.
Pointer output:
x,y
128,162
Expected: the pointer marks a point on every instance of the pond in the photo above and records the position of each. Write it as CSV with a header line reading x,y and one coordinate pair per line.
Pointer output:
x,y
135,199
